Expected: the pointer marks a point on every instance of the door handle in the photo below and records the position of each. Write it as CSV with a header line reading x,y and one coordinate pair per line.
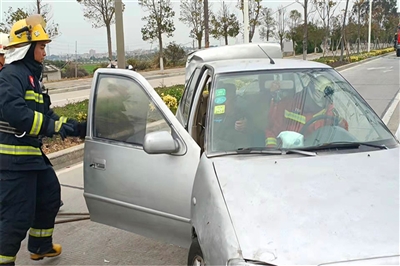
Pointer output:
x,y
99,164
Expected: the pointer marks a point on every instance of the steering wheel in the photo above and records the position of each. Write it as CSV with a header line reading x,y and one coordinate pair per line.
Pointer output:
x,y
317,118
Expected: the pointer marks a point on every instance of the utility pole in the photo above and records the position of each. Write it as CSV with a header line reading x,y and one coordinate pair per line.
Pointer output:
x,y
369,26
305,37
119,30
206,27
76,59
246,21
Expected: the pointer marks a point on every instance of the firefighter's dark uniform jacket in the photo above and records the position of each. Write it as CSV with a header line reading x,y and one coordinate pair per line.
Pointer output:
x,y
25,108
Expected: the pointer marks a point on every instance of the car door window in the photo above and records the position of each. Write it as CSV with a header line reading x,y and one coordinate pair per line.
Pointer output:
x,y
188,96
123,112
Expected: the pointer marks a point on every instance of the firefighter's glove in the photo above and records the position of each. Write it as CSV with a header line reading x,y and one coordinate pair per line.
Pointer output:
x,y
60,127
79,128
82,129
66,130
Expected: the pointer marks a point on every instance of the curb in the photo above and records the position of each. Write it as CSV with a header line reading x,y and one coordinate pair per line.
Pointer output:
x,y
75,154
360,62
86,87
67,157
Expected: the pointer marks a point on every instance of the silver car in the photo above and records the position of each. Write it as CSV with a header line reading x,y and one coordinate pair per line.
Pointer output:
x,y
266,162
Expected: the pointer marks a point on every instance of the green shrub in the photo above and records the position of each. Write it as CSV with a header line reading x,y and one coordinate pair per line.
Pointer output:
x,y
175,91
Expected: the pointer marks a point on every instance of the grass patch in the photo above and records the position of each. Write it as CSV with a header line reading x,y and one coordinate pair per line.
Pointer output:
x,y
334,61
90,68
76,110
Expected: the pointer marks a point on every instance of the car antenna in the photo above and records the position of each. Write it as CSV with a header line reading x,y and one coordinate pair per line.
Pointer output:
x,y
270,59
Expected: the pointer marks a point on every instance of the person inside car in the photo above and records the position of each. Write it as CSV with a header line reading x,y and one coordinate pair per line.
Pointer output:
x,y
291,113
230,121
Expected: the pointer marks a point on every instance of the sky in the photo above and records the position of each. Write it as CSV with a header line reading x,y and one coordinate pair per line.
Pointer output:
x,y
76,32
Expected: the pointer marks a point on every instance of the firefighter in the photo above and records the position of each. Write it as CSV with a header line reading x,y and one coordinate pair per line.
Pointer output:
x,y
291,113
29,188
3,45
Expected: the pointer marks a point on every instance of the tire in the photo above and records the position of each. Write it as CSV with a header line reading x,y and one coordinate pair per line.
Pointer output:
x,y
398,52
195,257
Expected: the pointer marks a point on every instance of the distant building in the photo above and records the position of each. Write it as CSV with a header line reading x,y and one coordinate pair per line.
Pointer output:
x,y
92,52
51,73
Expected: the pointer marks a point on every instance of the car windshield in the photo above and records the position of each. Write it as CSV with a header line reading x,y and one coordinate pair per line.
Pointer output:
x,y
289,109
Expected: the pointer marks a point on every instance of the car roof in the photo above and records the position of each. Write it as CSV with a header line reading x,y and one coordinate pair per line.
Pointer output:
x,y
246,50
237,65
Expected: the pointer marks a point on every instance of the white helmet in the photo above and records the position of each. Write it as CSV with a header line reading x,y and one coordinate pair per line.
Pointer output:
x,y
3,42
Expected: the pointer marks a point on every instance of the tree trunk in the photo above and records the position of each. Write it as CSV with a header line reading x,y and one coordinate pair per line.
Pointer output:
x,y
343,30
226,39
199,37
38,6
267,34
109,41
160,43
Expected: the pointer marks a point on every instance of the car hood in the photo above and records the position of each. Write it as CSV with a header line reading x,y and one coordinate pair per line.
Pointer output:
x,y
313,210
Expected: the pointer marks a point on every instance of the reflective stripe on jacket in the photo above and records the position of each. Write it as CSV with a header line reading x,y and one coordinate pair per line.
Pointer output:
x,y
289,115
22,105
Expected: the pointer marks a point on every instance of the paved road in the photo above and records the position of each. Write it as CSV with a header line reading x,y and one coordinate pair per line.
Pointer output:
x,y
88,243
377,81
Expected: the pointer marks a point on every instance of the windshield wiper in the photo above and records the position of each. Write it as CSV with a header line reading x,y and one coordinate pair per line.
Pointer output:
x,y
258,150
263,150
346,145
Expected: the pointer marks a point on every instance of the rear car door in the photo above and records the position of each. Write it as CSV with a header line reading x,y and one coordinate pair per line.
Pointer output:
x,y
125,186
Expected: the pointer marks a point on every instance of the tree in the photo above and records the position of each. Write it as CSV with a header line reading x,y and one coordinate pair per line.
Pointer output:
x,y
295,19
192,14
44,9
281,33
101,14
344,31
358,4
268,23
254,15
160,21
174,54
325,9
224,24
11,16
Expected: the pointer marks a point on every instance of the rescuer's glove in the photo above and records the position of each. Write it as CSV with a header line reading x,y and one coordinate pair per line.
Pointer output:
x,y
60,127
79,128
82,129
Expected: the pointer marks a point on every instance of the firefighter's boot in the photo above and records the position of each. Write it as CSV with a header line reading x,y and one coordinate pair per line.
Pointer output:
x,y
55,251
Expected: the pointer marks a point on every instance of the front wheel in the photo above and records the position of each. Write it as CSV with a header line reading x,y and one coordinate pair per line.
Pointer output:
x,y
195,257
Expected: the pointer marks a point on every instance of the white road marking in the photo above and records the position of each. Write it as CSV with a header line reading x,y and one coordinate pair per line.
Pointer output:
x,y
391,109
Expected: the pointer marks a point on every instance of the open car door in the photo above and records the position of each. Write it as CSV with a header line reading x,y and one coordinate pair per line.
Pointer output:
x,y
139,162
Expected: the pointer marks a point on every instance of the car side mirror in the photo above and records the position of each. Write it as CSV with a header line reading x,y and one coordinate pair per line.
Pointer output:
x,y
160,142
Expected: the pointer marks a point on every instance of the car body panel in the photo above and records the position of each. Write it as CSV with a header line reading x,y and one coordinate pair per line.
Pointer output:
x,y
279,209
305,210
210,217
127,191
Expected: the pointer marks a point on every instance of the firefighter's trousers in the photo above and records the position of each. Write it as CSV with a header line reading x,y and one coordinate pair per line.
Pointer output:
x,y
29,201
